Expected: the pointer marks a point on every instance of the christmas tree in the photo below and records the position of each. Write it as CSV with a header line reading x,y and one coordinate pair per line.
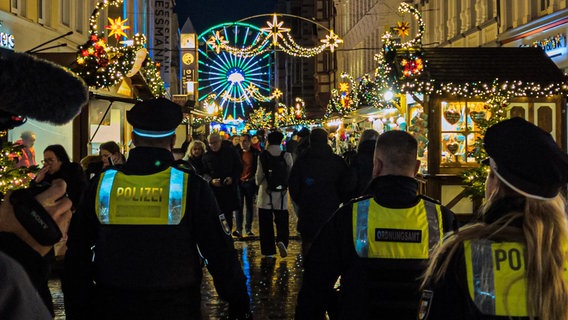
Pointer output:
x,y
11,177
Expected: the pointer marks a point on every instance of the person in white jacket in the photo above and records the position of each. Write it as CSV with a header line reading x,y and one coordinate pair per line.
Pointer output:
x,y
271,201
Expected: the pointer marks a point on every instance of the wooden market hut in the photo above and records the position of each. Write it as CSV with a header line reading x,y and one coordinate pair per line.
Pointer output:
x,y
452,104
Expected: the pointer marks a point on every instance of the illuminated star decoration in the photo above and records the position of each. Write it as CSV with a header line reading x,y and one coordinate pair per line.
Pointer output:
x,y
343,86
332,40
117,27
277,93
402,29
217,42
275,29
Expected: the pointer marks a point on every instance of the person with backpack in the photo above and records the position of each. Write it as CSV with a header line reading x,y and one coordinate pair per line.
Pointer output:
x,y
271,176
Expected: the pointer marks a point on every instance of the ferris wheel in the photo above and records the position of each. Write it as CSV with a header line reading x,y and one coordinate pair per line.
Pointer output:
x,y
236,83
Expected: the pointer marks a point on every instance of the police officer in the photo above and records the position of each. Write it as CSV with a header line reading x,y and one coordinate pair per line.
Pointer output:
x,y
513,264
134,246
378,244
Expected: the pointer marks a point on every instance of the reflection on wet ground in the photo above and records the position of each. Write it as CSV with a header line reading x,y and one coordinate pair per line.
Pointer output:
x,y
273,284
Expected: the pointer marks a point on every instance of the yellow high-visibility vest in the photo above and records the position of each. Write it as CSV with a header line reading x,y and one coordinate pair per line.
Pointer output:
x,y
155,199
496,277
386,233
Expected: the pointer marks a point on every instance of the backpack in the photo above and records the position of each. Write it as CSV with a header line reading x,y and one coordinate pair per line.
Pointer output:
x,y
275,170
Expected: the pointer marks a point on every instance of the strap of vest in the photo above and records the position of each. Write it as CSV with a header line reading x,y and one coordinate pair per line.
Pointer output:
x,y
104,195
434,234
175,196
361,237
174,199
483,277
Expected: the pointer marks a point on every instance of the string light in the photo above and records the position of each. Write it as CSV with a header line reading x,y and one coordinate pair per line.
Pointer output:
x,y
275,34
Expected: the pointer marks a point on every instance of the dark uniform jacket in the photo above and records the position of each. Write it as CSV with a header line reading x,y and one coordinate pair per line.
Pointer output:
x,y
370,288
150,271
451,299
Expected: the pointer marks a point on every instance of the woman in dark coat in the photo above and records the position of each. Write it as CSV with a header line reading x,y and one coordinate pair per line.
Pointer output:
x,y
57,165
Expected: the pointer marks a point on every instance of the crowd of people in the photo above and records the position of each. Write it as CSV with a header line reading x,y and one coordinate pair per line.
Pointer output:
x,y
361,220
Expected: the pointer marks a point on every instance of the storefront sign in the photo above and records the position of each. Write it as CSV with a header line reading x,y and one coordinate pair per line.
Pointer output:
x,y
553,45
6,39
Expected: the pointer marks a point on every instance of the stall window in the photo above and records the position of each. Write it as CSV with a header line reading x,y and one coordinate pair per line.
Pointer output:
x,y
460,131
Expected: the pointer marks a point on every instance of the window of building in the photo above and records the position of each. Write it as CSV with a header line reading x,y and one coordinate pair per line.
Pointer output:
x,y
544,4
79,15
18,7
44,9
64,7
460,131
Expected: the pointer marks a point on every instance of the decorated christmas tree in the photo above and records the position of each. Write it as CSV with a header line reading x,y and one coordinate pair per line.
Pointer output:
x,y
11,177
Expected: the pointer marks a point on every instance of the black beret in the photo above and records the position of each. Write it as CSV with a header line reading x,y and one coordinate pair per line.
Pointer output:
x,y
155,118
526,158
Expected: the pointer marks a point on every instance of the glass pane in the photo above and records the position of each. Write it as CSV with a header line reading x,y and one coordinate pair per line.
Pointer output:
x,y
419,129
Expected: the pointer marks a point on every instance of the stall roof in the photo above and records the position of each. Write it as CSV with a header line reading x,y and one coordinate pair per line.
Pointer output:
x,y
461,65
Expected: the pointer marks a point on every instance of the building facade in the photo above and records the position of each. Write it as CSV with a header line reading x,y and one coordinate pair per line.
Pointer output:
x,y
62,26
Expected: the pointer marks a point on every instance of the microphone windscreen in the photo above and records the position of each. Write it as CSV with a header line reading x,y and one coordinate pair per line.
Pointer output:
x,y
39,89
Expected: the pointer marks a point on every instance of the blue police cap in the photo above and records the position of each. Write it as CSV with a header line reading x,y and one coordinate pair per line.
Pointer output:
x,y
526,158
155,118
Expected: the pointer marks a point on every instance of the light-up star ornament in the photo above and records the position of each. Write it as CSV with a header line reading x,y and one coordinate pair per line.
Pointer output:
x,y
343,86
332,41
275,29
402,29
277,93
217,42
117,27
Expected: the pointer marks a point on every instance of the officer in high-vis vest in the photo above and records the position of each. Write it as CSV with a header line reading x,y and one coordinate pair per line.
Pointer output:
x,y
377,244
137,244
513,264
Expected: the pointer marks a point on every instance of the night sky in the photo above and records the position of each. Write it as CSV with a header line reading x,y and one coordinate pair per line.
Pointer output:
x,y
207,13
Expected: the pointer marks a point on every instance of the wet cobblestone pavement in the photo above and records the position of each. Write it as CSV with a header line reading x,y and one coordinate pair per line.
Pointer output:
x,y
273,283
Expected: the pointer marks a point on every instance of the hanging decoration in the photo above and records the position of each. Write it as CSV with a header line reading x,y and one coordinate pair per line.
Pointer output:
x,y
103,66
275,35
238,82
117,28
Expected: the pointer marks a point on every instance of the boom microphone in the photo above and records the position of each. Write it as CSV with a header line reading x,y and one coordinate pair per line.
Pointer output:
x,y
39,89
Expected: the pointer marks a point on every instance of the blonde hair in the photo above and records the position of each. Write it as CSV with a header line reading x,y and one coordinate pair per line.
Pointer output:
x,y
190,147
544,232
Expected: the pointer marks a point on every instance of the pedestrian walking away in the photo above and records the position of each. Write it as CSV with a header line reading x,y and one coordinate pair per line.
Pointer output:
x,y
137,243
377,244
511,264
318,184
272,177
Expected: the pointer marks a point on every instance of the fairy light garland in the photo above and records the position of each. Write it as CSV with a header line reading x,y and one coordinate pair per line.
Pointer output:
x,y
278,36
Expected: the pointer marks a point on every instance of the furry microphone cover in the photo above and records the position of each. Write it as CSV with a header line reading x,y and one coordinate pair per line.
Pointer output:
x,y
39,89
